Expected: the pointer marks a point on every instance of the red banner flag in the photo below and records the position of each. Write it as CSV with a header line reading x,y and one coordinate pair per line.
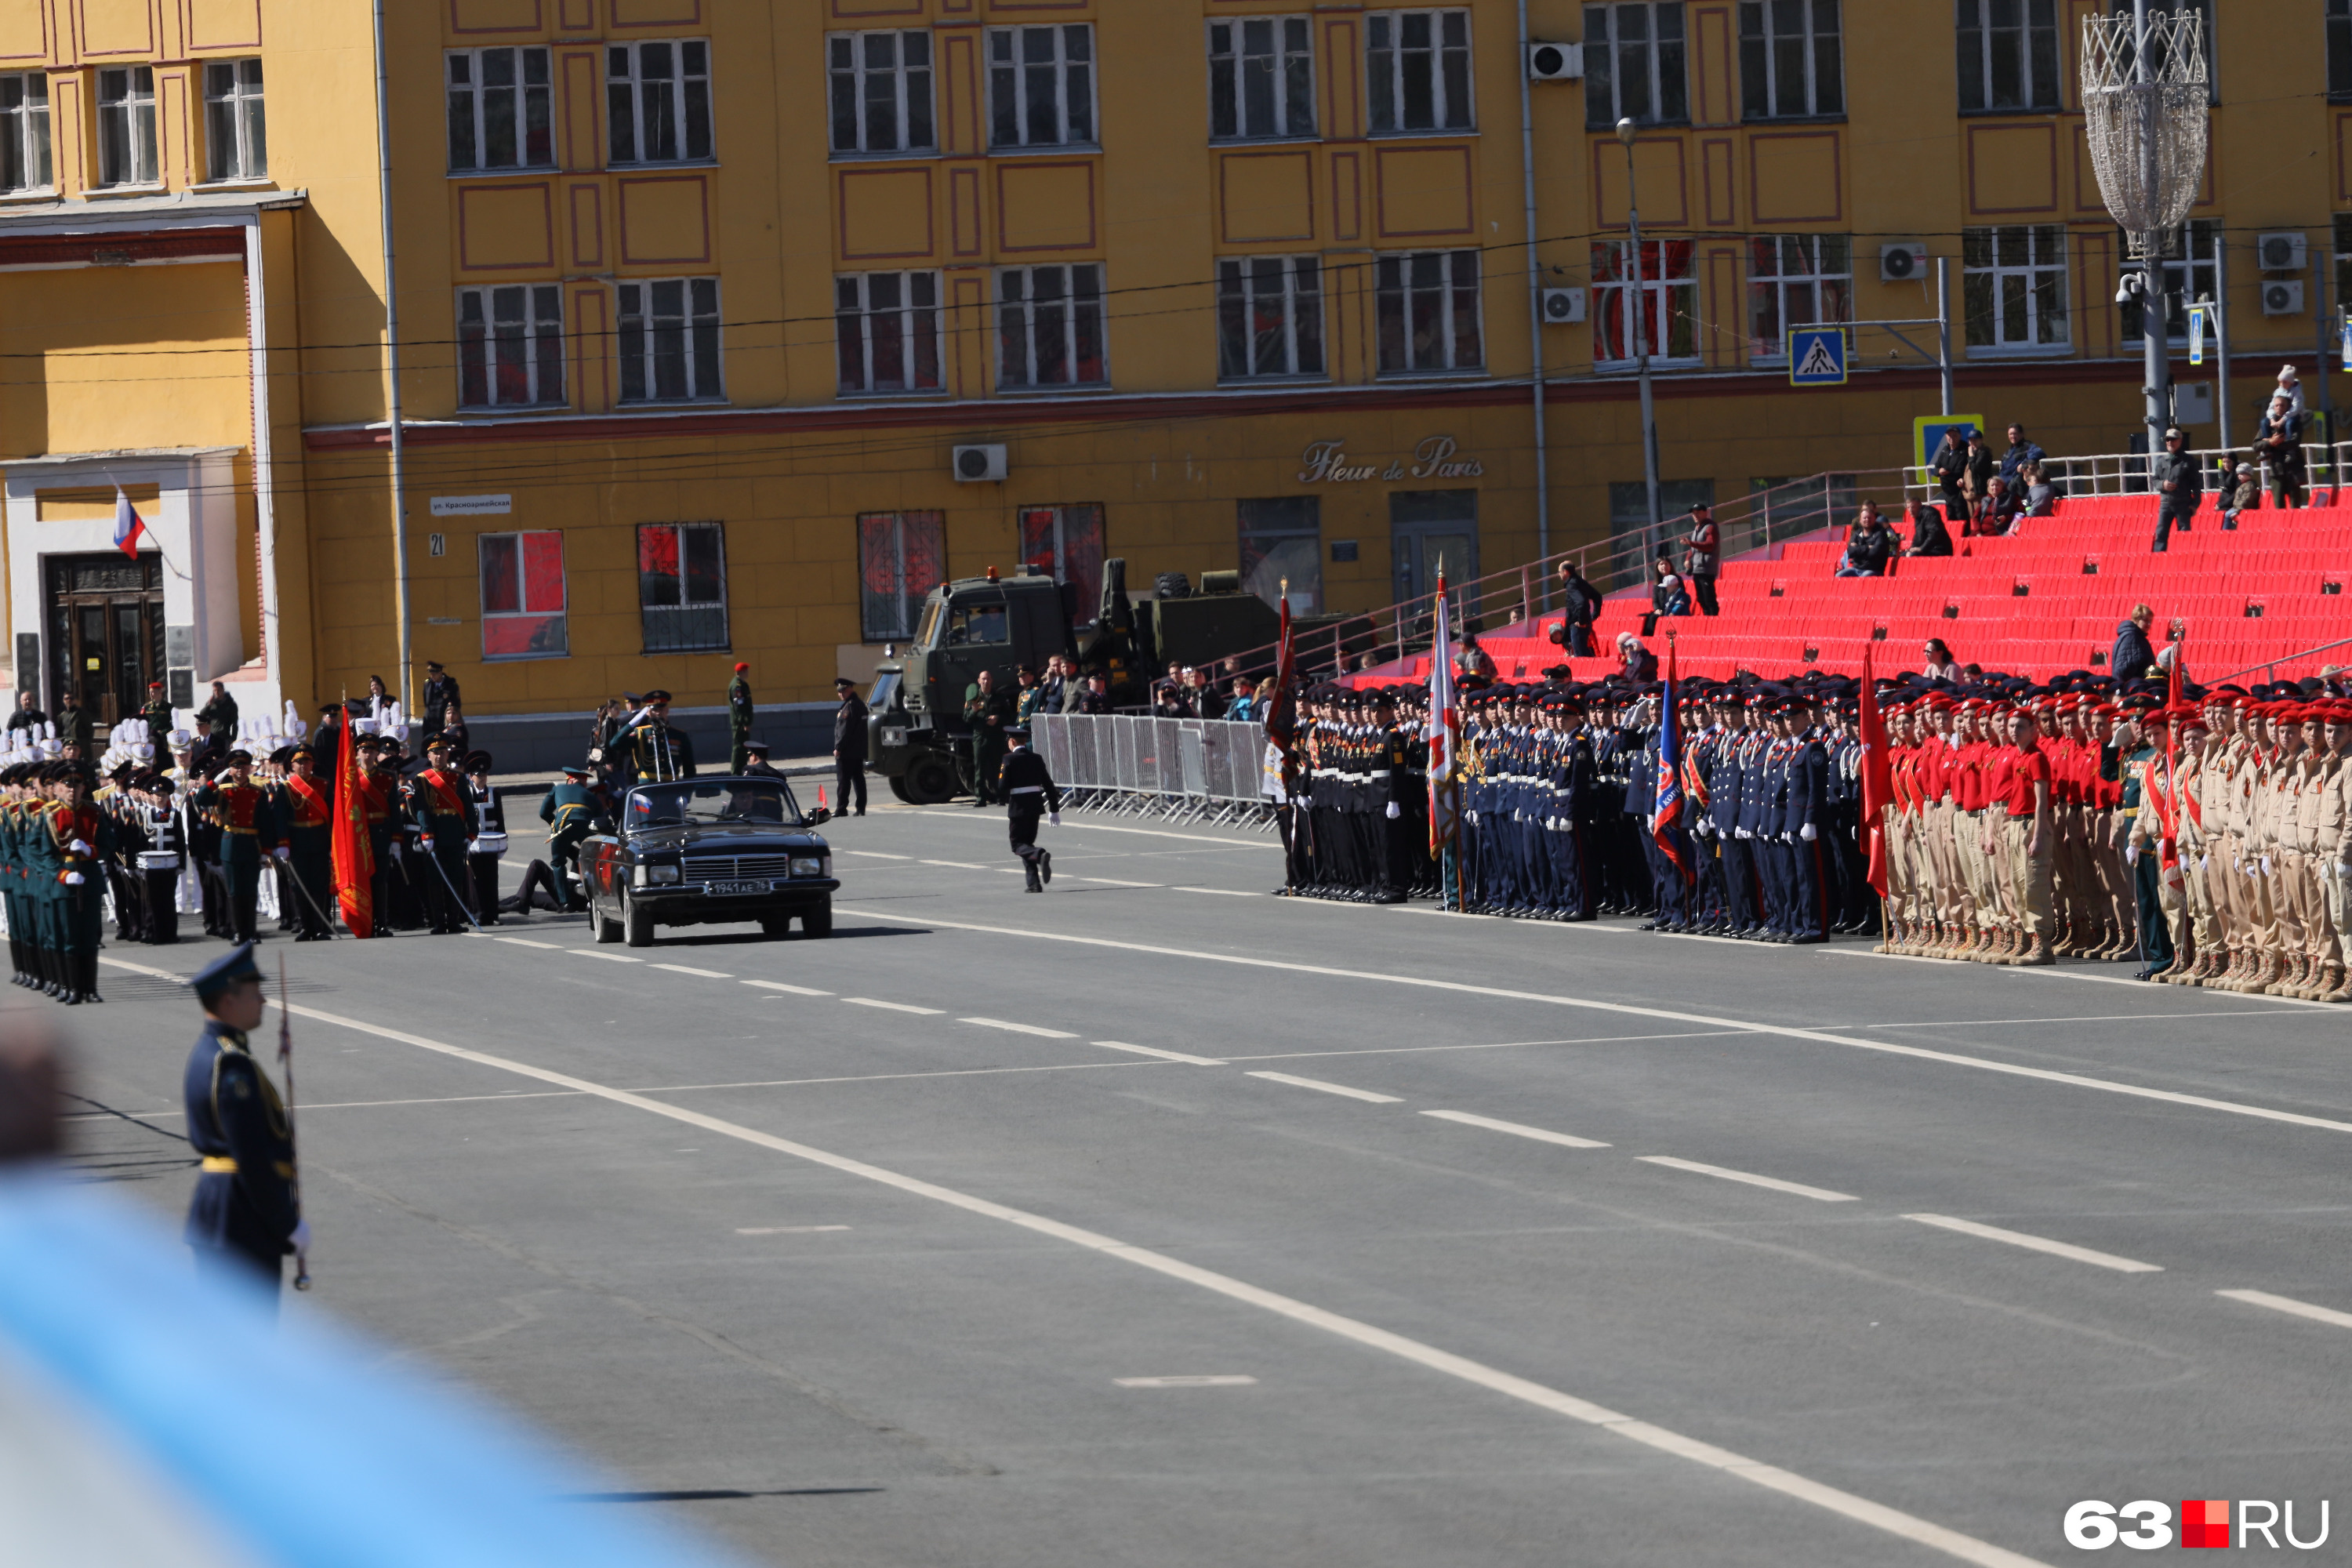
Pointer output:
x,y
1877,778
354,856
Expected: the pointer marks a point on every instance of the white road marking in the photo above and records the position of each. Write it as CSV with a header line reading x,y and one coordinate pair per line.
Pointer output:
x,y
1862,1509
1364,1094
2271,1003
1516,1131
2039,1243
1484,1045
780,985
1019,1028
959,865
1785,1031
1156,1051
690,969
1228,892
1106,828
787,1229
873,855
608,957
893,1006
1190,1380
1115,883
526,942
1819,1194
2290,1305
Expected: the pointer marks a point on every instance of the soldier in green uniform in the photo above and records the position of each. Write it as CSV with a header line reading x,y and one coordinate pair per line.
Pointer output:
x,y
572,812
157,711
990,713
738,718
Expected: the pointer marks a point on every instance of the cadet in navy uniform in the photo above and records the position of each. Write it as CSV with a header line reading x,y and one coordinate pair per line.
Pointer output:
x,y
1029,793
1808,812
245,1216
488,845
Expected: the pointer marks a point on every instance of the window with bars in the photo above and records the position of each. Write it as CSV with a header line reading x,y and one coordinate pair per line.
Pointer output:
x,y
682,585
501,110
1269,317
1668,310
2014,287
2339,50
1066,543
25,132
523,595
885,327
901,557
1417,66
1796,280
126,126
2344,255
1049,326
1792,59
1041,85
2009,51
1261,77
669,341
881,91
511,345
2191,272
236,146
1428,308
1636,67
658,100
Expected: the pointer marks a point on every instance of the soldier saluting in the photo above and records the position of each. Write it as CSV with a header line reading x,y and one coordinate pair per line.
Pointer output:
x,y
246,1214
650,748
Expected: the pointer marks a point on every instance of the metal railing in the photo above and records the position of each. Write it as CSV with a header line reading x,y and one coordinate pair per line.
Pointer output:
x,y
2270,667
2126,473
1187,770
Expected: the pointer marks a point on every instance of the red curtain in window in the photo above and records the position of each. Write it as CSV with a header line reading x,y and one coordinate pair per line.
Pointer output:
x,y
542,571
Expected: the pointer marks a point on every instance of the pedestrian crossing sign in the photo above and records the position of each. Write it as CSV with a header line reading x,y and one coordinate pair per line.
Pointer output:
x,y
1817,357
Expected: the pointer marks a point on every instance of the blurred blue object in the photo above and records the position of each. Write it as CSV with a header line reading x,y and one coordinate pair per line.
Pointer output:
x,y
190,1419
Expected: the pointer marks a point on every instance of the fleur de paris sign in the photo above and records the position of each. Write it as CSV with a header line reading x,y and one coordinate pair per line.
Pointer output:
x,y
1327,463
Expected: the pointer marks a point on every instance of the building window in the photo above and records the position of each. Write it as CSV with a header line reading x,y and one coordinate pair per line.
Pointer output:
x,y
499,111
236,146
1429,312
1041,85
1282,540
1261,77
2190,274
2009,54
1669,318
657,101
1418,67
1796,280
901,557
511,345
523,595
1066,543
126,126
1629,507
886,326
881,91
2015,286
1269,317
1049,326
2339,49
669,341
1791,61
1634,64
25,132
682,585
2344,255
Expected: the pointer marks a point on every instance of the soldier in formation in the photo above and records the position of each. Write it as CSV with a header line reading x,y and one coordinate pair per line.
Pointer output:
x,y
1355,790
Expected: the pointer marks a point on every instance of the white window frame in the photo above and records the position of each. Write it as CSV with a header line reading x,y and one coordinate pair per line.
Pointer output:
x,y
513,539
1401,265
25,127
697,329
1813,275
1017,68
1290,56
537,332
1295,289
1602,25
918,323
907,94
471,98
651,615
1770,38
1676,298
1072,314
126,126
626,95
1386,55
1979,21
2037,270
236,137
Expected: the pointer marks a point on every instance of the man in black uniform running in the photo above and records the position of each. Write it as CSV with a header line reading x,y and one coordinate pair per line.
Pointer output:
x,y
1029,793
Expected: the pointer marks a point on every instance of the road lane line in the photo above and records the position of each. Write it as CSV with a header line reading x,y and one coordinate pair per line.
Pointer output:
x,y
1106,828
1019,1028
526,942
2288,1304
873,855
1516,1131
893,1006
1847,1505
1819,1194
786,1229
959,865
1364,1094
1785,1031
1156,1051
795,990
1190,1380
607,957
2039,1243
690,969
1224,892
1116,882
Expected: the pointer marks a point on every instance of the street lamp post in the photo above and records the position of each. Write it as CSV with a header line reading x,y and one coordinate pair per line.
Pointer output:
x,y
1642,340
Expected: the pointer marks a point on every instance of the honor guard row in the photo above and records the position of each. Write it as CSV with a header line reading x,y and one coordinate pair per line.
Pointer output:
x,y
1354,801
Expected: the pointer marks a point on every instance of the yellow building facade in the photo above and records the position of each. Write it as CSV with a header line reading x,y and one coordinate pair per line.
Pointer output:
x,y
725,329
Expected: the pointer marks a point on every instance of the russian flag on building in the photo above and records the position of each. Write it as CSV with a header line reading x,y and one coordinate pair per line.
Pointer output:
x,y
128,525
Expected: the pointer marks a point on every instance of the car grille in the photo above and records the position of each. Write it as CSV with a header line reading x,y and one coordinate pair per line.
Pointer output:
x,y
736,867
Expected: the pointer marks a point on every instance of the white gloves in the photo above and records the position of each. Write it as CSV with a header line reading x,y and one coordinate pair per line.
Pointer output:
x,y
1806,833
2266,864
1744,832
73,878
473,847
78,847
301,1237
1473,819
1395,811
281,852
2131,856
1056,817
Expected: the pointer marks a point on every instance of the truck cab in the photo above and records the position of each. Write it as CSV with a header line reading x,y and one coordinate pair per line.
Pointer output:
x,y
916,706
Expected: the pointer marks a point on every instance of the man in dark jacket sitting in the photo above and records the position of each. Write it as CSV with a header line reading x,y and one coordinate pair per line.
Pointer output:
x,y
1867,552
2134,653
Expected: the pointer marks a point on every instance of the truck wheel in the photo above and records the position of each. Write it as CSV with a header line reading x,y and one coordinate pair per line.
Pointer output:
x,y
638,923
930,780
898,788
817,921
607,929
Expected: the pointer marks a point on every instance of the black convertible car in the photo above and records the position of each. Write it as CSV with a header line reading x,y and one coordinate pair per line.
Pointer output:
x,y
709,851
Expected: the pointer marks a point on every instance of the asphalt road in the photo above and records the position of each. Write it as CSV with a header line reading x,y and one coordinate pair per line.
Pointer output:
x,y
1156,1221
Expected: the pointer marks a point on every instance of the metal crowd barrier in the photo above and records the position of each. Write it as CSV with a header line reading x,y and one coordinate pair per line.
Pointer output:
x,y
1184,770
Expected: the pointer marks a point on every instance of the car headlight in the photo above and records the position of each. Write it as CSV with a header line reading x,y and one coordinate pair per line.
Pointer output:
x,y
655,874
809,865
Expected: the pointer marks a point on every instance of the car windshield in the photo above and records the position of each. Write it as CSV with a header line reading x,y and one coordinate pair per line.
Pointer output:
x,y
977,623
703,804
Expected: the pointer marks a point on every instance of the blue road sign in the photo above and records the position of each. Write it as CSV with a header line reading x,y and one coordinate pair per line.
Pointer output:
x,y
1817,357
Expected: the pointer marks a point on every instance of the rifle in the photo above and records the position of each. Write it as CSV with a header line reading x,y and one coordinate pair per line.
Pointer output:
x,y
286,1066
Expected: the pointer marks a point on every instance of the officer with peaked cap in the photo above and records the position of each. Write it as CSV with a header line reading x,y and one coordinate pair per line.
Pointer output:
x,y
246,1214
1029,793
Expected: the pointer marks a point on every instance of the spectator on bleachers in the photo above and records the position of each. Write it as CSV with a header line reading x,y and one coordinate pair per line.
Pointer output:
x,y
1950,466
1928,535
1667,595
1584,607
2021,452
2279,438
1473,666
1940,665
2034,491
1638,663
1995,513
1870,547
1702,557
1981,468
2133,653
2182,484
2238,489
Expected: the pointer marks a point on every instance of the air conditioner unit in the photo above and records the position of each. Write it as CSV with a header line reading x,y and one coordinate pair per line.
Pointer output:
x,y
1561,306
1902,261
978,464
1555,62
2283,299
2280,252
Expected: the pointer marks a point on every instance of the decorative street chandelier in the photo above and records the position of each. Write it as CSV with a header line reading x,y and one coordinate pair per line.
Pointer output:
x,y
2144,99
